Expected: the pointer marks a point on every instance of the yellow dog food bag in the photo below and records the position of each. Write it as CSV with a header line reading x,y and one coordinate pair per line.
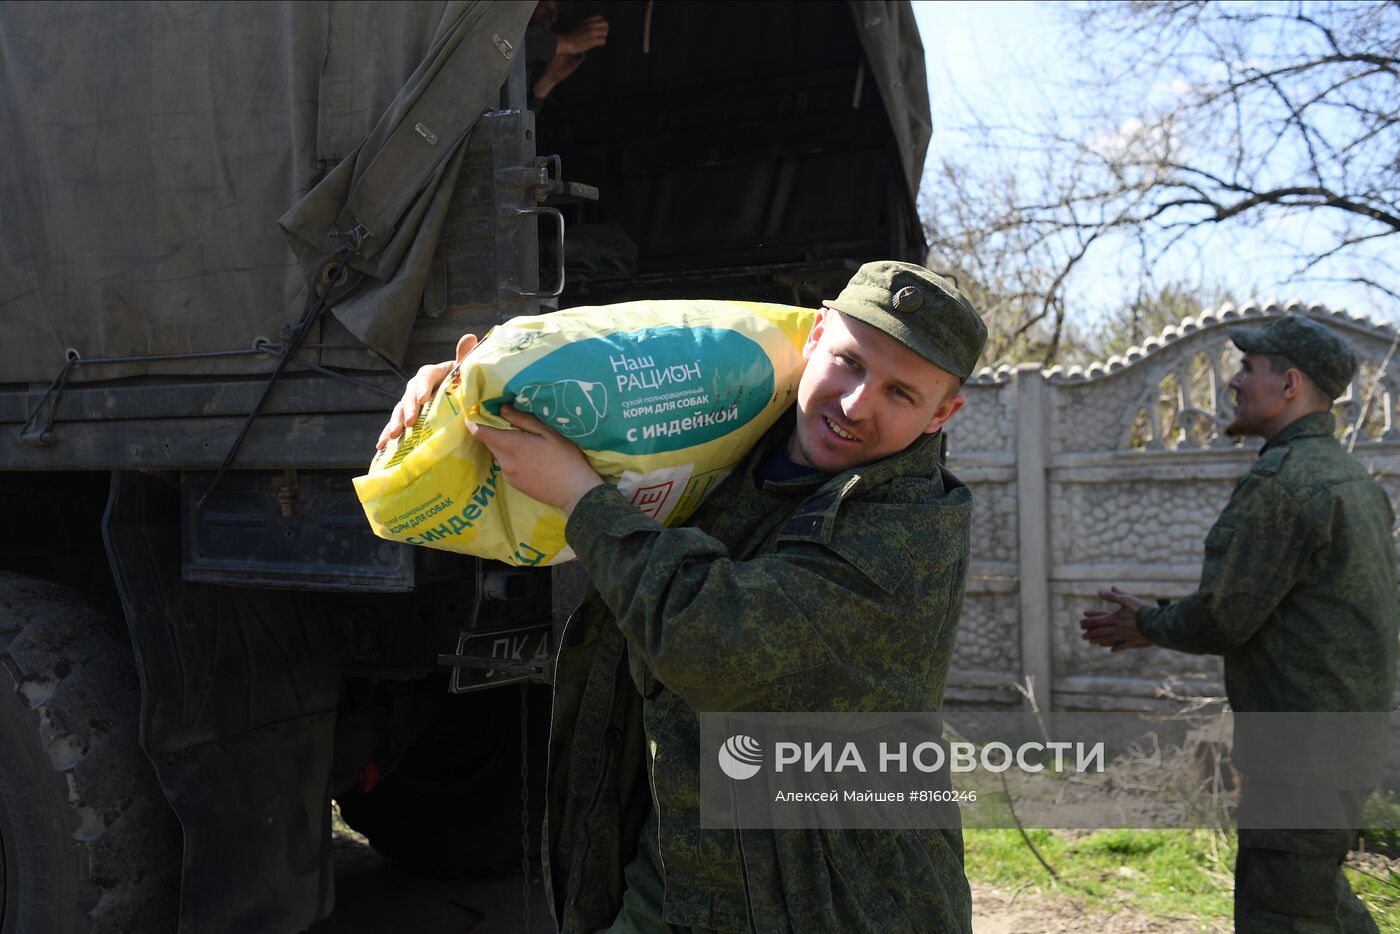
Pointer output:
x,y
664,398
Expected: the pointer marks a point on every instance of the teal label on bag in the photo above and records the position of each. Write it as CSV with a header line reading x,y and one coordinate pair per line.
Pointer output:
x,y
648,391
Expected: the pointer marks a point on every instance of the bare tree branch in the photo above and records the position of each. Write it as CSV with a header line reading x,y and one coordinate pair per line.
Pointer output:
x,y
1197,116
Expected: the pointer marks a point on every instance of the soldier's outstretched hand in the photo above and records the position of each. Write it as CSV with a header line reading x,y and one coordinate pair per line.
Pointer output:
x,y
1114,629
419,390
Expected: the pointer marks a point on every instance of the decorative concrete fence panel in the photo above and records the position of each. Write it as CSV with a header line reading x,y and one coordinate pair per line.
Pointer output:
x,y
1113,474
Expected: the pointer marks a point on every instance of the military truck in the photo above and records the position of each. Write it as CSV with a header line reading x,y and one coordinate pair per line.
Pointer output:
x,y
228,233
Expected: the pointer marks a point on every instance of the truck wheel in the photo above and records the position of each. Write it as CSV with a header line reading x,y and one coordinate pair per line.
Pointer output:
x,y
87,840
451,808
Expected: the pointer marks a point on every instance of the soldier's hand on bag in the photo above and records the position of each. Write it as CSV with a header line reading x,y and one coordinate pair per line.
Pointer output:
x,y
1114,629
419,390
537,461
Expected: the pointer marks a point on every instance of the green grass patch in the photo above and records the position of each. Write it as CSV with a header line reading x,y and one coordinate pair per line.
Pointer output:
x,y
1185,875
1379,888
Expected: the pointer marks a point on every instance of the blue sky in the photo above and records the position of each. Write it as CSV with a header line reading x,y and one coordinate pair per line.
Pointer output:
x,y
1004,60
989,52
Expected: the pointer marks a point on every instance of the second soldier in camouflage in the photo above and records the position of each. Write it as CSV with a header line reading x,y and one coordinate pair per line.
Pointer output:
x,y
1298,594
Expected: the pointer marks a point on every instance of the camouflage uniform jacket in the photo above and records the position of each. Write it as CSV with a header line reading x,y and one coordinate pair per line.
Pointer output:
x,y
1298,588
837,593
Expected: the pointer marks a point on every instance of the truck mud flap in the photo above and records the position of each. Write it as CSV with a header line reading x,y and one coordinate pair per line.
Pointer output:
x,y
239,693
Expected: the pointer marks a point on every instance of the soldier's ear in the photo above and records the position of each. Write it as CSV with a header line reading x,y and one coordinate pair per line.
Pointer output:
x,y
946,410
815,335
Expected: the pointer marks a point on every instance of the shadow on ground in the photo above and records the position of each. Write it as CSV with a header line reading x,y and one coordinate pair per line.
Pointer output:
x,y
373,897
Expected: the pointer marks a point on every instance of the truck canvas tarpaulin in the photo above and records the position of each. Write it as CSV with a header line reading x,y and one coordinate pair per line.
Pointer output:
x,y
148,153
149,150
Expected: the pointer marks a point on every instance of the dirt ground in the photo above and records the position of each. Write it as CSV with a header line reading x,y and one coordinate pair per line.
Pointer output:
x,y
999,912
373,898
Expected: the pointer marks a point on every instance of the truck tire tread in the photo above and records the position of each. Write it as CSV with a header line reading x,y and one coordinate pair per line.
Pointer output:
x,y
97,834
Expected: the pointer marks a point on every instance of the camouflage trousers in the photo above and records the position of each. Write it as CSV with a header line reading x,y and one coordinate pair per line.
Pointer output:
x,y
1291,881
641,902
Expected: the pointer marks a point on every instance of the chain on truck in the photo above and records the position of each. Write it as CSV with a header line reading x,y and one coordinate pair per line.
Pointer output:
x,y
227,234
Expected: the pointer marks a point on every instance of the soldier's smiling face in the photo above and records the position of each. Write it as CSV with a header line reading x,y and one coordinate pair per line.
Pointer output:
x,y
864,396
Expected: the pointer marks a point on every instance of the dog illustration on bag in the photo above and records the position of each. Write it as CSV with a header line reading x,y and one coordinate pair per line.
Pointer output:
x,y
571,407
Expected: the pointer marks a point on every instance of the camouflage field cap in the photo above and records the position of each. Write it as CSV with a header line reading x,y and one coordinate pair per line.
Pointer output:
x,y
921,310
1310,346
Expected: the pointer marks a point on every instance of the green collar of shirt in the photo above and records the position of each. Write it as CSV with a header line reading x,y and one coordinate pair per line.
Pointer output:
x,y
919,459
1311,425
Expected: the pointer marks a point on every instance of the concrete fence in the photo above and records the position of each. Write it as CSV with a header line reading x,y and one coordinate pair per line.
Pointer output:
x,y
1113,474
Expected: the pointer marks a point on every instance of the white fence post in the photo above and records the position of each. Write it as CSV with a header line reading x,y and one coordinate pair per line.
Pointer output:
x,y
1032,519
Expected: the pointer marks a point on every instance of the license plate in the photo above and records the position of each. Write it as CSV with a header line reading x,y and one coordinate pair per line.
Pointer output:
x,y
526,644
